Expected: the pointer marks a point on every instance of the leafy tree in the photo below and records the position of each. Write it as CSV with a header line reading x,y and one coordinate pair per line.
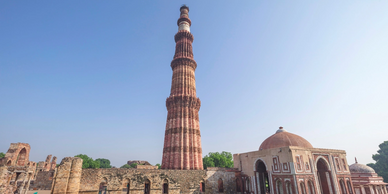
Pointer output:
x,y
158,165
104,163
216,159
133,165
125,166
381,158
88,162
2,155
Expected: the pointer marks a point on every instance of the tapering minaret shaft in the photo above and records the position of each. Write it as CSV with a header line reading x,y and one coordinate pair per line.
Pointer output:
x,y
182,141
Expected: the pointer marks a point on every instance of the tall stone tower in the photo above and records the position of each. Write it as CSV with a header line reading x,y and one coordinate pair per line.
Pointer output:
x,y
182,140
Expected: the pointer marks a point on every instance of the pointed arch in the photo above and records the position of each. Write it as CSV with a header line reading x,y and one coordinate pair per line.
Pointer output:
x,y
324,176
147,186
165,186
126,185
21,158
288,187
220,185
279,186
262,177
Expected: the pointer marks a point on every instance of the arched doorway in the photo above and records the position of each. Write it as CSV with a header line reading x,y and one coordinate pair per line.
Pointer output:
x,y
147,187
220,185
302,188
262,177
103,186
20,161
324,177
9,162
126,186
288,187
165,186
279,186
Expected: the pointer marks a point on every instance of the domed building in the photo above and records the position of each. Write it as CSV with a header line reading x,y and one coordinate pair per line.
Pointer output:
x,y
286,163
366,181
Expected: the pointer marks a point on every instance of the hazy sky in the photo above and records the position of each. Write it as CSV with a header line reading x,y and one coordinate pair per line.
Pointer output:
x,y
91,77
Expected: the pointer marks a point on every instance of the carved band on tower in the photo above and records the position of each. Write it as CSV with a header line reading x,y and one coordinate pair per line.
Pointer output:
x,y
182,140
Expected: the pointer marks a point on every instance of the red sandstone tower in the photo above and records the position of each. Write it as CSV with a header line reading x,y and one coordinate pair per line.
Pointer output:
x,y
182,140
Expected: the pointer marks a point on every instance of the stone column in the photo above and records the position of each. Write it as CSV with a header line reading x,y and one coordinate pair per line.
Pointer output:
x,y
28,183
62,176
20,189
75,176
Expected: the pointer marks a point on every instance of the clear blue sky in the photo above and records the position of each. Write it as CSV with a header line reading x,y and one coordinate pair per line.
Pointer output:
x,y
92,77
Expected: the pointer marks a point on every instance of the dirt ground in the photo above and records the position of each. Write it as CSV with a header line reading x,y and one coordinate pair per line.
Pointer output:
x,y
39,192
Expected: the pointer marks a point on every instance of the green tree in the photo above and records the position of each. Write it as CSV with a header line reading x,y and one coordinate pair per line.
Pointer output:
x,y
133,165
158,165
104,163
125,166
216,159
88,162
381,158
2,155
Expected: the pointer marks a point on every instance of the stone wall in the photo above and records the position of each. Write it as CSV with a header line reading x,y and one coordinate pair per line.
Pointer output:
x,y
116,180
43,181
227,175
146,167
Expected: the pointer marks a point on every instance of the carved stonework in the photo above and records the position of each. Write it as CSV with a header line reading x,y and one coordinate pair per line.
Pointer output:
x,y
182,141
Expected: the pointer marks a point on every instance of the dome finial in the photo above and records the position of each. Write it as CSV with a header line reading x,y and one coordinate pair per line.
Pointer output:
x,y
355,158
281,130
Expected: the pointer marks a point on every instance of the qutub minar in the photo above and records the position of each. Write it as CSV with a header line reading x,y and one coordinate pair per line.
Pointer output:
x,y
182,140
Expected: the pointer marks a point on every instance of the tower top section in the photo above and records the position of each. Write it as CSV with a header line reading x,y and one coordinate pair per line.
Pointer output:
x,y
184,21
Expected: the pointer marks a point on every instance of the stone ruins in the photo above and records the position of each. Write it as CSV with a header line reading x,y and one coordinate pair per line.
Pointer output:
x,y
285,163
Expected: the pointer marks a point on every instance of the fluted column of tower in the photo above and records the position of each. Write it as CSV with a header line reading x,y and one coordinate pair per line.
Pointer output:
x,y
182,140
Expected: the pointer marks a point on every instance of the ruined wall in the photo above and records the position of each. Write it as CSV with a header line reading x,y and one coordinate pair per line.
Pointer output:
x,y
43,181
5,178
146,167
16,171
116,180
179,181
227,175
18,154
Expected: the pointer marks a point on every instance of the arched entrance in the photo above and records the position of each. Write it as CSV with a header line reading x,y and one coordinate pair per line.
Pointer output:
x,y
20,161
103,186
324,177
262,177
126,186
165,186
147,187
220,185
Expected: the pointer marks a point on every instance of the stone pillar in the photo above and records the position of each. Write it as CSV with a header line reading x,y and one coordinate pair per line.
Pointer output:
x,y
362,189
28,183
62,176
75,176
21,187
